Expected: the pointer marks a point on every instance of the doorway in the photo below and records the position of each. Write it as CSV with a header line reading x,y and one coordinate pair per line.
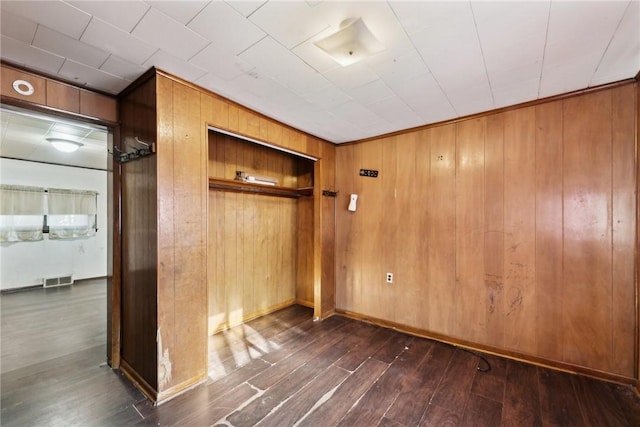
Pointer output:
x,y
53,286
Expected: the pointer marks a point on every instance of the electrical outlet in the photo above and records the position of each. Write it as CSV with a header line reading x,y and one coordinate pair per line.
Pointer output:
x,y
389,277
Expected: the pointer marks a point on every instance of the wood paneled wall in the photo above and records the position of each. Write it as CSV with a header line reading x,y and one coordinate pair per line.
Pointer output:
x,y
165,218
514,231
139,188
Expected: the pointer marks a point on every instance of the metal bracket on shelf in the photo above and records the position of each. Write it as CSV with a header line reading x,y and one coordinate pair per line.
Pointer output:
x,y
137,152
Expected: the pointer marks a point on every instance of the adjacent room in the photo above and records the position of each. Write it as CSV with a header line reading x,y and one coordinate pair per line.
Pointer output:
x,y
322,213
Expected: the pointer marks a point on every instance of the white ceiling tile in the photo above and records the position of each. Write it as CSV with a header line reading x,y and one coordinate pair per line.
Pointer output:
x,y
290,23
356,113
158,29
92,77
246,7
21,53
302,79
623,53
565,78
122,68
471,100
56,15
116,41
569,38
426,98
222,24
392,68
396,111
416,16
215,84
17,27
270,57
327,98
181,11
516,92
371,92
62,45
220,62
174,65
122,14
352,76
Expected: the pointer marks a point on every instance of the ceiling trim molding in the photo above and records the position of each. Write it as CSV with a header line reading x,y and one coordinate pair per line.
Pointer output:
x,y
553,98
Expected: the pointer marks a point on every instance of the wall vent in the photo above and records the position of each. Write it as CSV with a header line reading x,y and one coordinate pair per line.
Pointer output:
x,y
58,281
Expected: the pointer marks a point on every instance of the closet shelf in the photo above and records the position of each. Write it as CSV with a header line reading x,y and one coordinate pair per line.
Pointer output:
x,y
267,190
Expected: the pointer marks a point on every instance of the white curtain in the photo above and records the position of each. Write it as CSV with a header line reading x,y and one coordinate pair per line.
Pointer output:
x,y
71,213
21,213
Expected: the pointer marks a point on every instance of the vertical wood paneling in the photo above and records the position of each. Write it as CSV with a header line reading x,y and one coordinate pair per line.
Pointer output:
x,y
327,214
411,256
519,227
348,272
469,304
139,244
529,229
189,306
369,214
623,241
494,228
166,235
587,230
389,243
441,231
549,284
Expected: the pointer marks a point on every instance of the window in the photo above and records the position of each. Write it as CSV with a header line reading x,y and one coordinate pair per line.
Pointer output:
x,y
21,213
71,213
26,213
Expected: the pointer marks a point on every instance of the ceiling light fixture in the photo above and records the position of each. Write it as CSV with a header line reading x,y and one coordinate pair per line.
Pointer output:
x,y
64,145
352,43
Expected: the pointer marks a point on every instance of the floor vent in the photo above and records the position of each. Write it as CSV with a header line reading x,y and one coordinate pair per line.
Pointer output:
x,y
58,281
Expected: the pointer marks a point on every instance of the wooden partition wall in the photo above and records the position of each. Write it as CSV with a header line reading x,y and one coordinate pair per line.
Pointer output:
x,y
513,232
169,281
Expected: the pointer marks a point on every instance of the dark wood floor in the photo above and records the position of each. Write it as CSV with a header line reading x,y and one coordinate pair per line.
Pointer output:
x,y
284,369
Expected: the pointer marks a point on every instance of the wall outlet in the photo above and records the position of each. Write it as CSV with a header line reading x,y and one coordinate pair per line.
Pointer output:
x,y
389,277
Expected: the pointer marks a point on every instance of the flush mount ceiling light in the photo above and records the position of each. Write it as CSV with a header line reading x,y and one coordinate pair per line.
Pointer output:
x,y
64,145
352,43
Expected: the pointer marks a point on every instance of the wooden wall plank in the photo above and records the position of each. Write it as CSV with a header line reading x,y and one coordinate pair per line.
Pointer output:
x,y
469,304
587,230
189,196
441,230
348,275
369,214
624,226
139,244
549,284
389,242
494,228
519,227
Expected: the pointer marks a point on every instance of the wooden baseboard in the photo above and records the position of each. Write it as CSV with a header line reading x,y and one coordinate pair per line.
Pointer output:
x,y
534,360
178,389
226,325
140,383
151,393
304,303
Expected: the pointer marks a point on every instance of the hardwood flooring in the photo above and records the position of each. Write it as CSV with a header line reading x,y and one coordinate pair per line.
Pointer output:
x,y
284,369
